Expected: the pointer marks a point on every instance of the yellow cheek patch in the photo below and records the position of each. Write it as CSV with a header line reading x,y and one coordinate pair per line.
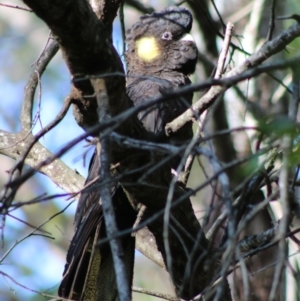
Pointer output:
x,y
147,49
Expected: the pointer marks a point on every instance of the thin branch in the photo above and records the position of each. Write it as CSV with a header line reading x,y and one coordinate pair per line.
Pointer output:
x,y
123,30
16,7
272,21
41,65
253,241
154,294
224,51
34,231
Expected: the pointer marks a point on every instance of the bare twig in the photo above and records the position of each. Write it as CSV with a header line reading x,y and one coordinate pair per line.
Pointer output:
x,y
154,294
254,241
41,65
123,29
16,7
33,232
224,51
272,21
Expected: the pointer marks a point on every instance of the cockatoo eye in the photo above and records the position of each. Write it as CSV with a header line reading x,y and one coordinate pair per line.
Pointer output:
x,y
167,36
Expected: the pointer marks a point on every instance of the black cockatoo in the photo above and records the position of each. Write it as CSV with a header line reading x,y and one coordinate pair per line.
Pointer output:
x,y
160,56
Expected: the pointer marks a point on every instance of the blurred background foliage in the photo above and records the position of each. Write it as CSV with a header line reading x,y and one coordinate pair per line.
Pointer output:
x,y
38,261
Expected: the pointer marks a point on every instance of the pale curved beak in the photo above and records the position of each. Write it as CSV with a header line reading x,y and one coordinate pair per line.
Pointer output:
x,y
187,37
